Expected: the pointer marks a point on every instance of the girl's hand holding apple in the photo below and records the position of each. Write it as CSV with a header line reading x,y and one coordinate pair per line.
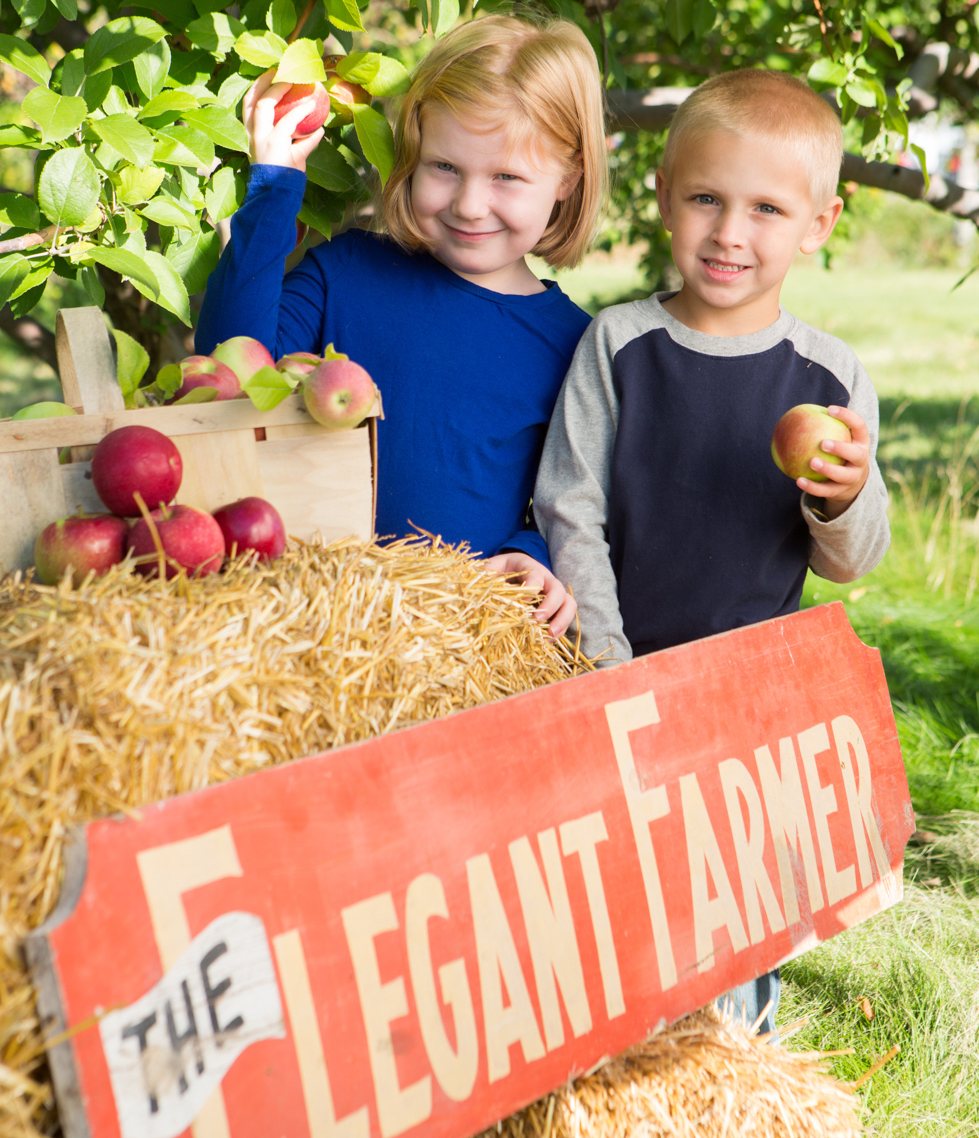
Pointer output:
x,y
271,143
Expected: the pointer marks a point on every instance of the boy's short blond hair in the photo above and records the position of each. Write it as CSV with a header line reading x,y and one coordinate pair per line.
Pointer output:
x,y
539,81
773,105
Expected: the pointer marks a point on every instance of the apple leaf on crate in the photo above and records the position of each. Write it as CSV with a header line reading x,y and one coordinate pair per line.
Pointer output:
x,y
132,360
268,387
197,395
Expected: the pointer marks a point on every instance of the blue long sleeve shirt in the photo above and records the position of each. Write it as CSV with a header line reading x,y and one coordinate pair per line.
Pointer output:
x,y
469,377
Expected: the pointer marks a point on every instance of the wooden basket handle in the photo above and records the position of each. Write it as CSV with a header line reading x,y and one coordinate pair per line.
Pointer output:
x,y
86,362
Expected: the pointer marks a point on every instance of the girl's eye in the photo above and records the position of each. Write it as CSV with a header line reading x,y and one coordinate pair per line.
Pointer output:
x,y
508,177
445,166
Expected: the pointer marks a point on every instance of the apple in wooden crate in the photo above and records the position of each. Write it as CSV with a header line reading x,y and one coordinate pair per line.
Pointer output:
x,y
252,523
798,438
244,355
298,364
85,542
136,459
339,393
203,371
191,540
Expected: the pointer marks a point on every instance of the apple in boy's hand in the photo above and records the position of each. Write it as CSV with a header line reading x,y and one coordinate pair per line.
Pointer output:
x,y
339,393
203,371
252,523
244,356
319,111
798,438
134,459
86,542
190,538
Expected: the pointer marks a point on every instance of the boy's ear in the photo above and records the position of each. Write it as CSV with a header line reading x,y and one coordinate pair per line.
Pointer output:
x,y
664,200
822,226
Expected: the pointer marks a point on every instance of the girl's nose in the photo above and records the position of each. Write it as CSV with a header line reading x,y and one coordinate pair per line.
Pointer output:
x,y
471,200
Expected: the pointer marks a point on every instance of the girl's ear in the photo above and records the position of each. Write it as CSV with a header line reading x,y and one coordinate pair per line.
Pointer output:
x,y
822,226
570,181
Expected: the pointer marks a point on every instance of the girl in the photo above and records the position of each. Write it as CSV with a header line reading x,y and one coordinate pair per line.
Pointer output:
x,y
500,152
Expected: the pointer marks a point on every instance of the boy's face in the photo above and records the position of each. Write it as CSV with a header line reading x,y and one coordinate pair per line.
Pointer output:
x,y
738,207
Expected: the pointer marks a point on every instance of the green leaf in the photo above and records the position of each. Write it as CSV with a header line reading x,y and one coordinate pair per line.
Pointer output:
x,y
923,161
267,388
19,55
169,102
115,101
173,292
37,275
301,63
196,258
30,11
321,210
263,50
391,79
184,146
119,41
345,15
215,32
165,212
232,89
88,277
127,137
883,34
281,17
14,269
177,12
169,378
58,116
96,88
375,137
25,137
444,15
68,187
127,264
19,210
152,68
27,301
67,8
327,168
197,395
221,126
73,73
679,19
862,92
224,194
827,71
704,18
132,360
359,66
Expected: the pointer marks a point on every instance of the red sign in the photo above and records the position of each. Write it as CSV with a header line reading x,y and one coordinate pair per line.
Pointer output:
x,y
425,932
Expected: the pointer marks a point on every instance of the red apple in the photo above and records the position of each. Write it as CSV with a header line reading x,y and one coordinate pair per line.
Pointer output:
x,y
343,93
252,523
203,371
244,356
86,542
339,393
798,438
190,538
133,459
299,363
319,107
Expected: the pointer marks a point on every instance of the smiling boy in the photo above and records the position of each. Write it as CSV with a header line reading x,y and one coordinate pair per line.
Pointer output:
x,y
657,494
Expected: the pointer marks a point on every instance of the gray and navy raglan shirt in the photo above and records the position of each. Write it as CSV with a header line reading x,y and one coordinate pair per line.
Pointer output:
x,y
657,493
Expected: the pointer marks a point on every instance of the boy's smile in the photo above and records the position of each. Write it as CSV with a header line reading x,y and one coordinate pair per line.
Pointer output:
x,y
739,207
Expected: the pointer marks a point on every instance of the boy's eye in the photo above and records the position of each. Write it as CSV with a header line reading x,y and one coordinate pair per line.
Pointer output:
x,y
768,209
705,199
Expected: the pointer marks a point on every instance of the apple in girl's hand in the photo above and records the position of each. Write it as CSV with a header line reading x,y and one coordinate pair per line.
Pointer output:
x,y
244,356
339,393
319,110
798,438
202,371
252,523
134,459
47,410
190,538
299,363
86,542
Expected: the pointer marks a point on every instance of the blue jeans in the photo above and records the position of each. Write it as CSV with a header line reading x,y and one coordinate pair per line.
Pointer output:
x,y
752,997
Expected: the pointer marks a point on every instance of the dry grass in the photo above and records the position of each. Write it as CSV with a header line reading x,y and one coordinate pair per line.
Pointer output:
x,y
704,1077
127,691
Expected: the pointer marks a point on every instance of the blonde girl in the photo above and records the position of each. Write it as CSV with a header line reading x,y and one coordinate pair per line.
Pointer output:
x,y
500,152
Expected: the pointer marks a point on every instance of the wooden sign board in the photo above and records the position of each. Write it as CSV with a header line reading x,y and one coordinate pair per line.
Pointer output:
x,y
424,932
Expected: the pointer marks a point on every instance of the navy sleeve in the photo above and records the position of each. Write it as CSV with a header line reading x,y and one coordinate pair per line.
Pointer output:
x,y
245,291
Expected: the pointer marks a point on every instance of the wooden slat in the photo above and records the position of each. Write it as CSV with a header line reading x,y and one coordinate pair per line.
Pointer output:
x,y
321,484
79,489
86,363
38,499
219,469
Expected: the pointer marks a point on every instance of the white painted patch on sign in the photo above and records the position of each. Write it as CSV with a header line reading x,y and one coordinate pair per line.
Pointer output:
x,y
168,1051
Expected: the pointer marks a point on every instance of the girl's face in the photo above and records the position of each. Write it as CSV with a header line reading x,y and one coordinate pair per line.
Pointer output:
x,y
482,205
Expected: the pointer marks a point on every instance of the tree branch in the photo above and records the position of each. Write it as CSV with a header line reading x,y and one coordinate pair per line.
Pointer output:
x,y
29,335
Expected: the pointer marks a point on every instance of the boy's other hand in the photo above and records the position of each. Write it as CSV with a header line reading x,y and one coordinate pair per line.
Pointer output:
x,y
846,481
272,143
557,606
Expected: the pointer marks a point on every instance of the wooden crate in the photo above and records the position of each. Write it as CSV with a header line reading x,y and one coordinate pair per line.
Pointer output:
x,y
320,481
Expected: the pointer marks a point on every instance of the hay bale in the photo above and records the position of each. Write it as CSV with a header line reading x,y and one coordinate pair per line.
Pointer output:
x,y
704,1077
128,691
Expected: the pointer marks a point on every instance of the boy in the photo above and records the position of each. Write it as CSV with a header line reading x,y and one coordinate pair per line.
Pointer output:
x,y
657,493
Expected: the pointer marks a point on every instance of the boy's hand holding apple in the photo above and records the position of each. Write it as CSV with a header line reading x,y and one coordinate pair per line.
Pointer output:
x,y
271,143
844,481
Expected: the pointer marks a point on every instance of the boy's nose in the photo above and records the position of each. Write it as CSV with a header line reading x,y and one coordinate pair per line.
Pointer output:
x,y
729,231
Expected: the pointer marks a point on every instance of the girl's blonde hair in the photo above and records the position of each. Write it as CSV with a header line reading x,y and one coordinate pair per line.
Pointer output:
x,y
540,82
